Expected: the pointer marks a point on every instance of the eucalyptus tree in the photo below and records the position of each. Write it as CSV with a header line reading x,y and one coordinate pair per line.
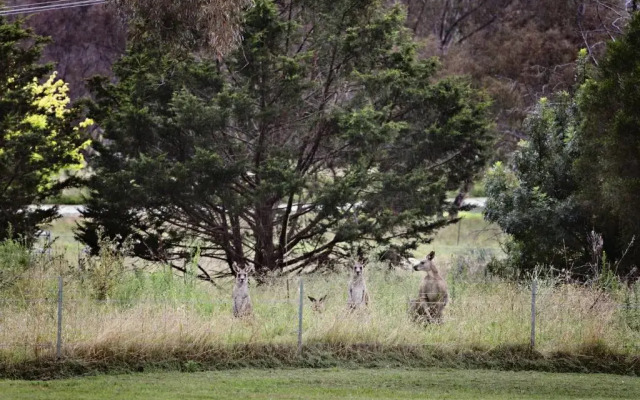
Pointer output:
x,y
211,26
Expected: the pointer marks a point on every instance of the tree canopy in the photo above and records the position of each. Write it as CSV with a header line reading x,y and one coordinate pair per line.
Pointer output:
x,y
533,198
201,25
570,191
40,134
321,131
609,165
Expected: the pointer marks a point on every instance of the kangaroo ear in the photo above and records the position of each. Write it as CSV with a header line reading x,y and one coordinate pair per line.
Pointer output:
x,y
322,298
249,269
313,300
431,255
234,266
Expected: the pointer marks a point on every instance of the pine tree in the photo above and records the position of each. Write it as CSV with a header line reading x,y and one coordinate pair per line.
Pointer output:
x,y
322,132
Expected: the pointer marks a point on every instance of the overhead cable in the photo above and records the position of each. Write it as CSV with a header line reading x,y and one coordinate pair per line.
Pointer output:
x,y
35,4
36,7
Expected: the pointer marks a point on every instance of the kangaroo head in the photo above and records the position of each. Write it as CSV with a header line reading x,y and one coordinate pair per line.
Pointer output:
x,y
317,305
427,264
358,269
242,274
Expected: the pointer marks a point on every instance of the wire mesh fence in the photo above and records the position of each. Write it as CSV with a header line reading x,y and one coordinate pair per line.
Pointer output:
x,y
59,320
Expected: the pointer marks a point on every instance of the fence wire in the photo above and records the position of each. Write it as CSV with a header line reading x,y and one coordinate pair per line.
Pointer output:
x,y
472,314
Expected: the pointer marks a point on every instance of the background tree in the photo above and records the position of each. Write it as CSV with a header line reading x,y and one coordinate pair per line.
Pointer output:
x,y
208,25
454,21
320,132
518,51
39,133
578,178
534,198
86,41
609,164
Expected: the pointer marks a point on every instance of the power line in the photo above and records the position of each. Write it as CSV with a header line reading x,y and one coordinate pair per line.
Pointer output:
x,y
38,4
46,6
36,8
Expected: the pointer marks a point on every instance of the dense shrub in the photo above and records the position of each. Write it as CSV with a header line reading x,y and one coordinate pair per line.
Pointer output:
x,y
533,198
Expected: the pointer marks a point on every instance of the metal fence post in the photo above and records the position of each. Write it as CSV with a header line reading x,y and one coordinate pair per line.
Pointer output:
x,y
59,336
300,317
453,286
534,289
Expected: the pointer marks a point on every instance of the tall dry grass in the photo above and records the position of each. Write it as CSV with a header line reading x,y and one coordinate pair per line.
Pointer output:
x,y
154,315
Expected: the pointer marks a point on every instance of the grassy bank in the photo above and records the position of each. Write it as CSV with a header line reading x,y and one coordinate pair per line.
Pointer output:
x,y
331,383
350,356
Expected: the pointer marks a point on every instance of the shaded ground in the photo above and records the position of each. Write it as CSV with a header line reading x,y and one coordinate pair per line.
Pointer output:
x,y
331,383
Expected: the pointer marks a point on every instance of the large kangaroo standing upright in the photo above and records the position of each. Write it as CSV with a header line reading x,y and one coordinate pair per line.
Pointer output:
x,y
433,295
358,295
241,301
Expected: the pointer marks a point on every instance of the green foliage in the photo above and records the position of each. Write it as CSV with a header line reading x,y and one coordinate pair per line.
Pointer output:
x,y
15,260
631,307
70,196
39,133
608,167
577,177
104,272
323,131
478,189
533,199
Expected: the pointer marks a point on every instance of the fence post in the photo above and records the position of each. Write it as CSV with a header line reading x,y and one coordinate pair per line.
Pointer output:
x,y
459,226
300,317
59,336
453,286
534,289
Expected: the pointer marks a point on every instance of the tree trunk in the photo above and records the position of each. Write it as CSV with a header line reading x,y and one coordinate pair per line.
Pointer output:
x,y
462,194
265,257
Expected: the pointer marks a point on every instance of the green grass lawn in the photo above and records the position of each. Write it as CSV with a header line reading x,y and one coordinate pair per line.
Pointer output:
x,y
331,384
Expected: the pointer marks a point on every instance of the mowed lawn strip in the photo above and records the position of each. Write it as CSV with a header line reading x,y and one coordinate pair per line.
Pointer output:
x,y
330,384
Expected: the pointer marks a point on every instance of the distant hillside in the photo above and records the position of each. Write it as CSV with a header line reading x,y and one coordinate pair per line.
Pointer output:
x,y
518,50
86,41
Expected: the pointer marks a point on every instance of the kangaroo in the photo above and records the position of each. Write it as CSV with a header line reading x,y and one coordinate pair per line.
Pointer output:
x,y
317,305
241,300
433,295
358,295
